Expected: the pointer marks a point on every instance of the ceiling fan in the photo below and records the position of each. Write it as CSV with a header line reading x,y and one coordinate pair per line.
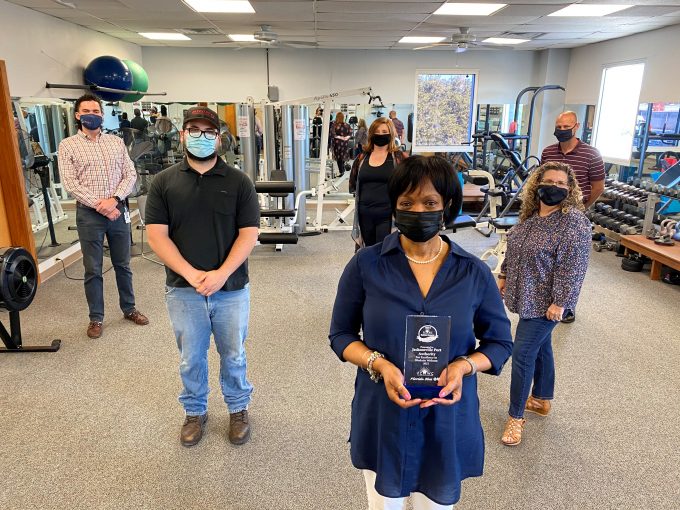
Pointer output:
x,y
459,42
266,38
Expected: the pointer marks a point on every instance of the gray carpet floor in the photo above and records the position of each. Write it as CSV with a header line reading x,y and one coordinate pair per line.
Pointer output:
x,y
96,424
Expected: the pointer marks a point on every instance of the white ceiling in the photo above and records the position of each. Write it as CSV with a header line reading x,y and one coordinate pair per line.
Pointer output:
x,y
365,24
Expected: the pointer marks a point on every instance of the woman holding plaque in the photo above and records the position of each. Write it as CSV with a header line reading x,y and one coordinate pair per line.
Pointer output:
x,y
407,445
541,276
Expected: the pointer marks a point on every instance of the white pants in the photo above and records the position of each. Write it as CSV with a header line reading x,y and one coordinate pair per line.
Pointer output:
x,y
378,502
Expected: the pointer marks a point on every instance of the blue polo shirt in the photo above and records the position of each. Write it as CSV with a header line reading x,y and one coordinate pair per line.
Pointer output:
x,y
418,450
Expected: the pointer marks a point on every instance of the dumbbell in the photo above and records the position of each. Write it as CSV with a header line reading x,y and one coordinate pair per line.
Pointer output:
x,y
599,206
630,219
636,183
606,209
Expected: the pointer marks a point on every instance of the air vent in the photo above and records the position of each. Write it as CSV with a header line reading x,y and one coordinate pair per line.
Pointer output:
x,y
199,31
523,35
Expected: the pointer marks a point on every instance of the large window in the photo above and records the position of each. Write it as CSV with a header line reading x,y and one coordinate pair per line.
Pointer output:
x,y
617,111
444,110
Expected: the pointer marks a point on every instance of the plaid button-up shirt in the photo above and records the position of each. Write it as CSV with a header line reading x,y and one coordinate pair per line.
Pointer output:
x,y
93,170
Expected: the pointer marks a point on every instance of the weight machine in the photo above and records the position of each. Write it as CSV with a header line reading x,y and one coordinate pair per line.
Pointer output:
x,y
293,152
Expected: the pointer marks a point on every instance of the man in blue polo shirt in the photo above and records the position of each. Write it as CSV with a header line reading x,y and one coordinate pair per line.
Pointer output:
x,y
202,217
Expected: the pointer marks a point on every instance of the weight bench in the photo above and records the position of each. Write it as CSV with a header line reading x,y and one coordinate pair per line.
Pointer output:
x,y
502,226
278,189
461,221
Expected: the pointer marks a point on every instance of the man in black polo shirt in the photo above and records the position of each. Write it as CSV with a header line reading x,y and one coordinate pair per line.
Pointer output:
x,y
202,217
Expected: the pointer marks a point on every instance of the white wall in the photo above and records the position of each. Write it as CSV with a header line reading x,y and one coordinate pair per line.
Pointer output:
x,y
657,48
553,69
38,48
206,74
221,74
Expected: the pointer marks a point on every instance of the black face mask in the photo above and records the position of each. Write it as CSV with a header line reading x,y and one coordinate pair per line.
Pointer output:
x,y
551,195
381,140
564,135
418,226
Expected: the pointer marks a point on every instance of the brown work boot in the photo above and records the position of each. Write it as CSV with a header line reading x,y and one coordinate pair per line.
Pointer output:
x,y
192,430
137,317
512,435
239,429
94,330
538,406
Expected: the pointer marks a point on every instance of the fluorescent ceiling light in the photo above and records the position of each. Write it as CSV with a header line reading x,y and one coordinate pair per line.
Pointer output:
x,y
505,40
469,9
165,36
242,37
587,10
233,6
421,40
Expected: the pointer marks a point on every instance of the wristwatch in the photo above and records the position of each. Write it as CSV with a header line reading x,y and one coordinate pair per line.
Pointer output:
x,y
118,199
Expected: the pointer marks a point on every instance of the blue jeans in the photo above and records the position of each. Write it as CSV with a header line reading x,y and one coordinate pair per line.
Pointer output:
x,y
92,227
194,318
532,358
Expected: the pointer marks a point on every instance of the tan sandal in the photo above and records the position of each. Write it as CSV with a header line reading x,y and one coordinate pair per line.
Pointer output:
x,y
538,406
512,435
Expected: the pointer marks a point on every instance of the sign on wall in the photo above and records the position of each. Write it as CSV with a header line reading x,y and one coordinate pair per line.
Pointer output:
x,y
444,110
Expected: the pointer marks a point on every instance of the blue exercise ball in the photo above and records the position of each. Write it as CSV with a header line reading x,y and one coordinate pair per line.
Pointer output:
x,y
108,71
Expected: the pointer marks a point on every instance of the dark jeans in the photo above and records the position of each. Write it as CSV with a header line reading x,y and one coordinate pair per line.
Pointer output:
x,y
92,227
532,358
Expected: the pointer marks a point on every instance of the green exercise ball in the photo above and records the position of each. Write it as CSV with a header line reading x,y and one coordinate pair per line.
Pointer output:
x,y
140,81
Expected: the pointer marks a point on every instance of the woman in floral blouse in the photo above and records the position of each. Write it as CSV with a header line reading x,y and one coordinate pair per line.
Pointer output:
x,y
541,276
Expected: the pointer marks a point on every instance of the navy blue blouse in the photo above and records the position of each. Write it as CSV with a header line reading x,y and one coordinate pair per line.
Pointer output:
x,y
418,450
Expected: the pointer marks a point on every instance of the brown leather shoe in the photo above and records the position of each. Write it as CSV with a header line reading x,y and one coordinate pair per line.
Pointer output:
x,y
538,406
192,430
239,428
137,317
94,330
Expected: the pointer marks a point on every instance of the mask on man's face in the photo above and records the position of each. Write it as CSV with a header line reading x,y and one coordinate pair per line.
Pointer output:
x,y
564,135
200,149
91,121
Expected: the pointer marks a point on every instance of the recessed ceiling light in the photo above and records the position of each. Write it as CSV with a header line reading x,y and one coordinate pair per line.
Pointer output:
x,y
165,36
233,6
505,40
584,10
421,40
458,9
242,37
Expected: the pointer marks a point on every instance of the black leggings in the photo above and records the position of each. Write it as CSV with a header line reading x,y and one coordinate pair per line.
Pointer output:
x,y
374,228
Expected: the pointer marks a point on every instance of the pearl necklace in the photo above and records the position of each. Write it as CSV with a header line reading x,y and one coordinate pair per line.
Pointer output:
x,y
441,247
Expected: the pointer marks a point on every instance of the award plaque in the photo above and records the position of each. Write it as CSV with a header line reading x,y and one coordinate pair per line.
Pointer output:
x,y
426,353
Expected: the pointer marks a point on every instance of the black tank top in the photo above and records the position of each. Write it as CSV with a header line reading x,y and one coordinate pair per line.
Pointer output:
x,y
373,196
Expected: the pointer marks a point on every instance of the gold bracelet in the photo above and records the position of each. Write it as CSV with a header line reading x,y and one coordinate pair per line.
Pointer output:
x,y
366,355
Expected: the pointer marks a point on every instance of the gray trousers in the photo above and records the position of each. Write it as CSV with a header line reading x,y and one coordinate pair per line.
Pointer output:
x,y
92,227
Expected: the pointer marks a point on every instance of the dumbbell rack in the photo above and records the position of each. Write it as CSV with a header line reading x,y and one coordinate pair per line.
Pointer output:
x,y
632,209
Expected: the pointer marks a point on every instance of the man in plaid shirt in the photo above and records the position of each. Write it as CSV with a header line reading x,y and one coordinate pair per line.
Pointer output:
x,y
96,169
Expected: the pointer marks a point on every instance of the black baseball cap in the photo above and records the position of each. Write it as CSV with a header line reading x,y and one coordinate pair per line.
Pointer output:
x,y
201,112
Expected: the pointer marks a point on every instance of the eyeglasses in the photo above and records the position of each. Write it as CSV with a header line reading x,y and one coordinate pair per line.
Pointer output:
x,y
549,182
196,133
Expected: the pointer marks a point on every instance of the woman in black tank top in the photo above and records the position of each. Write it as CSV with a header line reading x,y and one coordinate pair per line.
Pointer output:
x,y
370,173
